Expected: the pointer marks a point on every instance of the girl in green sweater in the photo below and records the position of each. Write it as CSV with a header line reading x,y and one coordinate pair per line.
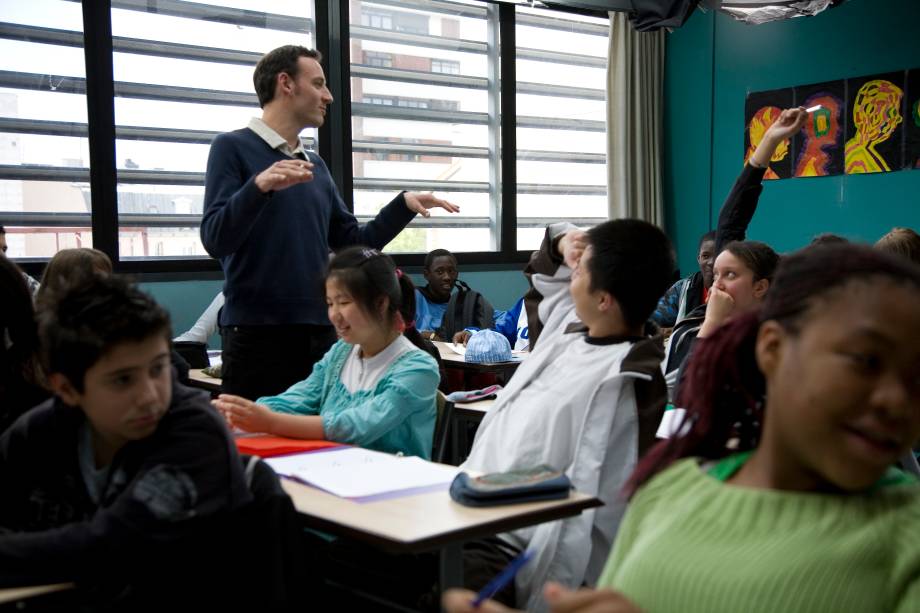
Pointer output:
x,y
780,495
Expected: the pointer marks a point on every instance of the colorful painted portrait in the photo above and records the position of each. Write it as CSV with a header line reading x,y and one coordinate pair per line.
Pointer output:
x,y
912,120
819,147
761,109
875,113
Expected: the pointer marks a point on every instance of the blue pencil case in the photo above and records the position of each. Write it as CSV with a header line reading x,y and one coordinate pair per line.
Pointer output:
x,y
516,486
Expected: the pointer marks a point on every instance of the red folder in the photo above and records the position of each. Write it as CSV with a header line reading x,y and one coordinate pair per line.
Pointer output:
x,y
266,446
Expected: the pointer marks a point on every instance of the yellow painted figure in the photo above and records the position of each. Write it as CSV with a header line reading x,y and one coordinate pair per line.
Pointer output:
x,y
763,119
876,114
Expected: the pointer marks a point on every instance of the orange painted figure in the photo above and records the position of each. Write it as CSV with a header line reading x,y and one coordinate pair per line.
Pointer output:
x,y
876,114
763,119
822,133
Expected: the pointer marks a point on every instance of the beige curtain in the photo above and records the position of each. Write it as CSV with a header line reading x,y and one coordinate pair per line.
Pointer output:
x,y
635,75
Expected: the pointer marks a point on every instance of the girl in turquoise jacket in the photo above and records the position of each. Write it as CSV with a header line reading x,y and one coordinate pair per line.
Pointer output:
x,y
374,388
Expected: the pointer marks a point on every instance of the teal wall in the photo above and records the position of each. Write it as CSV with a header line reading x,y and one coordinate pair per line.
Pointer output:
x,y
186,300
714,61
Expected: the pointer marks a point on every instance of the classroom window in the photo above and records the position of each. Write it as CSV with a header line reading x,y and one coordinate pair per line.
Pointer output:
x,y
381,60
183,74
445,66
44,152
561,130
414,129
424,107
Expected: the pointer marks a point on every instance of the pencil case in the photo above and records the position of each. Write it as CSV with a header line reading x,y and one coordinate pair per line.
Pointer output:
x,y
512,487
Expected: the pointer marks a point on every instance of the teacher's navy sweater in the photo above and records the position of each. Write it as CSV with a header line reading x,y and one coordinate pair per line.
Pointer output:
x,y
274,247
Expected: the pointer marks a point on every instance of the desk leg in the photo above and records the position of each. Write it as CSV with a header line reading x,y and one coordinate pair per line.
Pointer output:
x,y
450,566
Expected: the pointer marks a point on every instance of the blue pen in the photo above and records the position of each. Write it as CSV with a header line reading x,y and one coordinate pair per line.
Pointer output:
x,y
502,579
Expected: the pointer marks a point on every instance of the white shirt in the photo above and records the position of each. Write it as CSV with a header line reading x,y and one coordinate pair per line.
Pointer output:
x,y
360,373
275,140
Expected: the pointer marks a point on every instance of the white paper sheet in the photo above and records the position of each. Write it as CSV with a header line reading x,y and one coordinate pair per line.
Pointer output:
x,y
354,473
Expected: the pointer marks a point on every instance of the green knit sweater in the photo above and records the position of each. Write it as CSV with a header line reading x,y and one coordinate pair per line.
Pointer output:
x,y
690,542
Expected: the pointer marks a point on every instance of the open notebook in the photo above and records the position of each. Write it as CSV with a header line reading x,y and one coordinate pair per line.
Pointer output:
x,y
352,472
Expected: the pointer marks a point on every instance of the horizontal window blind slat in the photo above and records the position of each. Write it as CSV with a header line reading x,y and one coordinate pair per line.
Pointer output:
x,y
218,14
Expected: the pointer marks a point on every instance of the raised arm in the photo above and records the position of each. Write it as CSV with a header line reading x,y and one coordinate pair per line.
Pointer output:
x,y
741,203
344,229
546,261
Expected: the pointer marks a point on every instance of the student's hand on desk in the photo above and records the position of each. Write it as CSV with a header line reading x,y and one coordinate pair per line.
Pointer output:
x,y
284,173
461,601
462,337
419,202
429,335
244,414
563,600
571,246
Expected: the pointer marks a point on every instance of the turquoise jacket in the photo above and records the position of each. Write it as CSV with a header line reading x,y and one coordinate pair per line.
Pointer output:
x,y
397,415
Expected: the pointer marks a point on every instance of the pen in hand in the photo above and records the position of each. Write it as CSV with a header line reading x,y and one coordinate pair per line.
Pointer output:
x,y
502,579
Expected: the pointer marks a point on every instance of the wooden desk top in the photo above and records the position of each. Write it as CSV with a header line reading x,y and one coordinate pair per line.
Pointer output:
x,y
202,381
14,594
422,522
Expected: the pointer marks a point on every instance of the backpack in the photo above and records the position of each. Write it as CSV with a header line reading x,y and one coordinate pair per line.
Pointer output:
x,y
466,308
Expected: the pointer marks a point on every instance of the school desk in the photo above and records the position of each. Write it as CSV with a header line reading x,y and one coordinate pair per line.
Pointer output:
x,y
198,379
425,522
452,360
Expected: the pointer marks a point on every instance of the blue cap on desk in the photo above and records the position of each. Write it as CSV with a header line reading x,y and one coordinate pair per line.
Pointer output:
x,y
487,346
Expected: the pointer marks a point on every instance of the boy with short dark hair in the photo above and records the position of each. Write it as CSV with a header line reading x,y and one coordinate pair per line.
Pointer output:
x,y
587,401
445,305
111,482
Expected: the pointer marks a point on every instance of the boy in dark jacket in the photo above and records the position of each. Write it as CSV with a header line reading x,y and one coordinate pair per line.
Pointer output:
x,y
120,481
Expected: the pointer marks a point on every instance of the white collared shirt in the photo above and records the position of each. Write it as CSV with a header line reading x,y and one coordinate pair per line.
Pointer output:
x,y
275,140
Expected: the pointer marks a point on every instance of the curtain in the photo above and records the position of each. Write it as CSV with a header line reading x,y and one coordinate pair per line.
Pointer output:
x,y
635,75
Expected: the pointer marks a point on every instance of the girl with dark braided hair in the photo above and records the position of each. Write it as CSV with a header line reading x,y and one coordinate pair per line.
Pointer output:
x,y
780,494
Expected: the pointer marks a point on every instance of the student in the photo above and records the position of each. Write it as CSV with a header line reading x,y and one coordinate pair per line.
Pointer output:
x,y
30,282
446,305
828,238
21,382
796,415
206,325
902,241
68,266
587,401
741,277
111,482
689,292
374,388
734,218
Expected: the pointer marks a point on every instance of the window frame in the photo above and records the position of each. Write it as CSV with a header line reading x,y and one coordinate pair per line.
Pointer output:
x,y
332,35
